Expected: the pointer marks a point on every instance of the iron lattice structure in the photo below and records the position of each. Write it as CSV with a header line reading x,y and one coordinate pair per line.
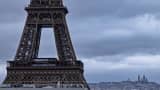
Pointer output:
x,y
27,68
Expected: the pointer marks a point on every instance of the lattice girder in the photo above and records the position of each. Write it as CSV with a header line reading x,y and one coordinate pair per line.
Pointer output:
x,y
27,68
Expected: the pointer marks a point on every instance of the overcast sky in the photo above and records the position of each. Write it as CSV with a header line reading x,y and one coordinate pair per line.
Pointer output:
x,y
116,39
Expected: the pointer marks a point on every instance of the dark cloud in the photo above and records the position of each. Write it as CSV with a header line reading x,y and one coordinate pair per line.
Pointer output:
x,y
123,8
119,46
101,37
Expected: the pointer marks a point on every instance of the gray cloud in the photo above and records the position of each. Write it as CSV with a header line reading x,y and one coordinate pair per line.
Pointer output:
x,y
134,35
126,66
12,11
110,29
123,8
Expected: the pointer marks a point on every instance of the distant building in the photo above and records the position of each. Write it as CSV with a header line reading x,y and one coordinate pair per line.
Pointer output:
x,y
140,84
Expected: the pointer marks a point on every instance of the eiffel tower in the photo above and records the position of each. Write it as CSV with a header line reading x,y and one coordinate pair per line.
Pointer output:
x,y
27,68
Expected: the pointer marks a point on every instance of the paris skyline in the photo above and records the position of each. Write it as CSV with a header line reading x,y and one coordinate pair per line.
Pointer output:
x,y
115,39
